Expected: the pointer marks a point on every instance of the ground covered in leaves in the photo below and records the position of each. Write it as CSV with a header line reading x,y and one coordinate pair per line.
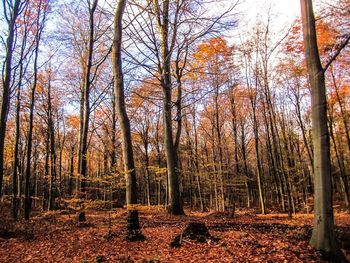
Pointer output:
x,y
247,237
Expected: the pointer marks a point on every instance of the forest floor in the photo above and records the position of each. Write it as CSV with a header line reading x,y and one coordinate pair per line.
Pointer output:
x,y
247,237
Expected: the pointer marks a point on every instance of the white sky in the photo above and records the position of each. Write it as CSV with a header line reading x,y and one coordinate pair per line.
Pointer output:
x,y
282,12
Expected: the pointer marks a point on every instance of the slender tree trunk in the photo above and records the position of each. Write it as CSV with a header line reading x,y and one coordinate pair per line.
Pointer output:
x,y
219,138
196,161
6,87
234,127
86,90
301,124
15,175
217,207
157,145
162,17
244,156
147,173
71,171
124,123
343,178
80,137
342,110
27,199
258,164
51,132
15,200
114,139
61,147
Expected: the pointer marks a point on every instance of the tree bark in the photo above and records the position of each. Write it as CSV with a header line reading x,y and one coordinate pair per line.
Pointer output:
x,y
323,237
124,123
6,89
15,179
40,26
86,91
162,17
51,133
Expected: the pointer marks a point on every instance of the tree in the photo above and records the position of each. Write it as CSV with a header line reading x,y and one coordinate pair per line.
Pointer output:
x,y
163,37
213,60
22,68
323,237
41,8
128,156
252,87
12,10
86,108
162,17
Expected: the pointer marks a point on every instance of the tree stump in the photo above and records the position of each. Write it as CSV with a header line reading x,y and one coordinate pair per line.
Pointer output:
x,y
135,235
81,216
195,231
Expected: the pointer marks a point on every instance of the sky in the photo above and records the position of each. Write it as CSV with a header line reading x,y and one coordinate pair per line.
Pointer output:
x,y
284,10
282,14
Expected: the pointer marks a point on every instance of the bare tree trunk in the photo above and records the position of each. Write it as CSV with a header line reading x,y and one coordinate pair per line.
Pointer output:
x,y
15,200
71,171
128,157
162,17
234,127
196,161
6,87
40,26
301,124
323,237
148,183
244,156
217,208
15,179
114,140
51,132
219,138
258,164
86,90
80,136
157,145
342,110
343,178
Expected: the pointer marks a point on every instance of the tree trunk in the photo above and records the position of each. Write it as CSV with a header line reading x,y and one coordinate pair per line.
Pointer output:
x,y
323,237
27,200
244,156
196,162
86,91
148,183
342,110
15,181
71,171
6,87
51,132
124,123
340,162
114,139
257,155
15,199
40,27
219,141
162,16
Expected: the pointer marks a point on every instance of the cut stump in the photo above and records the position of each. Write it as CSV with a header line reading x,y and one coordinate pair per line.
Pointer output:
x,y
195,231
